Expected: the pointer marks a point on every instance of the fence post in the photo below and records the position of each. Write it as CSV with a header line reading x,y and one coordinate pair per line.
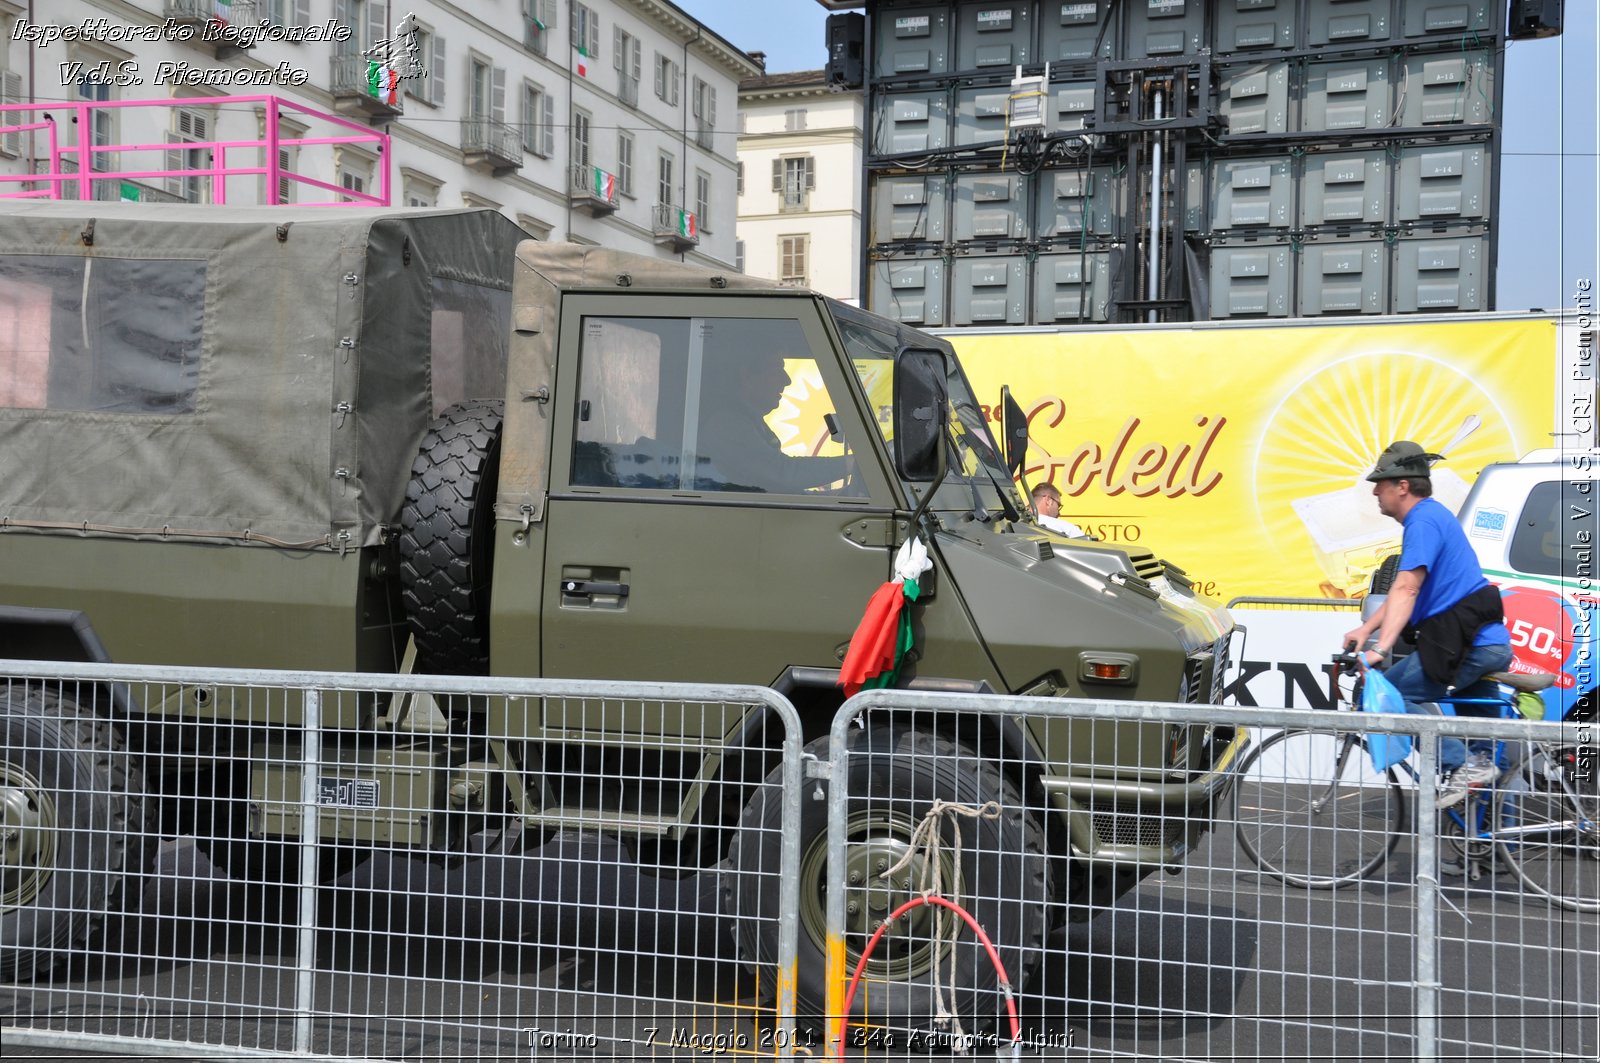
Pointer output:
x,y
1426,999
310,829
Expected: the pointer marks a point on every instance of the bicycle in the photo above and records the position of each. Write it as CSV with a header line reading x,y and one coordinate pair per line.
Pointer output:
x,y
1311,810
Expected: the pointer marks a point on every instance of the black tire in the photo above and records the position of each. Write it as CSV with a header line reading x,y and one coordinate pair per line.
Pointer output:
x,y
74,829
447,539
894,775
1383,578
1549,835
1303,820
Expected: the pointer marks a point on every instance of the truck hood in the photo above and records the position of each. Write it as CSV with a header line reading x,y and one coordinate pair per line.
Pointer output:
x,y
1043,598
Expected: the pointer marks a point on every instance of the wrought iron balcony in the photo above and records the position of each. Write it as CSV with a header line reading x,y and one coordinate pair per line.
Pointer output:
x,y
359,93
490,146
220,23
675,227
593,190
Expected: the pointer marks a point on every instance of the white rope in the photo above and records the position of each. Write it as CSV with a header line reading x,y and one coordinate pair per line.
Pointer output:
x,y
929,839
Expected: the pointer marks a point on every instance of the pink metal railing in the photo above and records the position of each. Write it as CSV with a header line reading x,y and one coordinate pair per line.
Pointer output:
x,y
74,163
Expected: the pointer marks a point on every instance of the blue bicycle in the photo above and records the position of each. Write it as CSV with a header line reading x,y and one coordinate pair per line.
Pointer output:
x,y
1312,811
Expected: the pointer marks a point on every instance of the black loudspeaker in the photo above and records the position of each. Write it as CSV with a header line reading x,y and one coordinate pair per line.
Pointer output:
x,y
847,38
1532,19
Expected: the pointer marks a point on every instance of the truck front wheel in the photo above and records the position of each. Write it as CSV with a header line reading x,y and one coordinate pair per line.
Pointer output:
x,y
997,871
447,539
71,828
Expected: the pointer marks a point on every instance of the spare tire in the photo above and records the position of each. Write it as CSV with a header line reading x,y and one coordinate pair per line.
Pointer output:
x,y
447,539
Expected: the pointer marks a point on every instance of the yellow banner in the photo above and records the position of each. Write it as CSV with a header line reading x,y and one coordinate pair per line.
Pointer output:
x,y
1240,454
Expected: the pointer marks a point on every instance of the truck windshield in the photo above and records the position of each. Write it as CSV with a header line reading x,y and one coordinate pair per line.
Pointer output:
x,y
977,479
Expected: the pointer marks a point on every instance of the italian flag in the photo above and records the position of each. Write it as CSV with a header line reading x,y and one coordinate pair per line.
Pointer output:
x,y
884,636
686,225
383,82
580,62
605,184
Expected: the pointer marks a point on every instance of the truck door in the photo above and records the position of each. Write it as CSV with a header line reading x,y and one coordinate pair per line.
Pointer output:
x,y
716,511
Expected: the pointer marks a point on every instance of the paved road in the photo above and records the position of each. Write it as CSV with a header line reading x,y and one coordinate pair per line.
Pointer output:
x,y
1212,964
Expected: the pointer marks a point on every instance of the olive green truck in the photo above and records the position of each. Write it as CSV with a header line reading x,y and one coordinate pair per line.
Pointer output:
x,y
380,441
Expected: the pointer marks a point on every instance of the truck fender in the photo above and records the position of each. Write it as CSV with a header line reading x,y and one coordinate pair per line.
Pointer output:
x,y
33,634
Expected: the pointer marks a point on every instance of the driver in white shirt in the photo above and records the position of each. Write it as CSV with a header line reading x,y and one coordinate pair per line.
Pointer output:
x,y
1047,504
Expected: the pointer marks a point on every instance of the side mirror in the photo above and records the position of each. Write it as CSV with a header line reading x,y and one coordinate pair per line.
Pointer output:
x,y
1014,429
921,413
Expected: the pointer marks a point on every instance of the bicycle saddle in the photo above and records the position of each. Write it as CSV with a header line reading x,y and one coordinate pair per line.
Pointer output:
x,y
1526,682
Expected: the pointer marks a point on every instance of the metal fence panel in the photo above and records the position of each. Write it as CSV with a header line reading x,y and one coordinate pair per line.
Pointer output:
x,y
337,866
1363,945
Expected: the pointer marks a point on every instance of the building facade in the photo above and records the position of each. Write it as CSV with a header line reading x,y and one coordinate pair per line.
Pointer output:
x,y
597,121
800,182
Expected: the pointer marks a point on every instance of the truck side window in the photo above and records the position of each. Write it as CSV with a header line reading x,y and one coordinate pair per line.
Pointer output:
x,y
109,335
1556,531
706,404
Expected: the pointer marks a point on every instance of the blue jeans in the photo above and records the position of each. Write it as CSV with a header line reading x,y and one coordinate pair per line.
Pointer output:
x,y
1419,691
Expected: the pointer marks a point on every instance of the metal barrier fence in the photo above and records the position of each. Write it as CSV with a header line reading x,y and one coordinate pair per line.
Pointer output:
x,y
1128,930
487,868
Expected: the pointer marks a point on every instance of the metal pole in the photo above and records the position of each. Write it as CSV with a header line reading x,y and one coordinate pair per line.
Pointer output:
x,y
310,829
1153,242
1426,1004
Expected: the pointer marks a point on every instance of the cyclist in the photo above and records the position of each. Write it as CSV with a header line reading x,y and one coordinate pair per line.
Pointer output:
x,y
1441,601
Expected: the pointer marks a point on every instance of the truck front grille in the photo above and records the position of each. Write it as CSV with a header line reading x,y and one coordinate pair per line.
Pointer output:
x,y
1122,823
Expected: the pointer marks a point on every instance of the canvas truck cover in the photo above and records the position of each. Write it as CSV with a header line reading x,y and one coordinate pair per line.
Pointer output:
x,y
222,373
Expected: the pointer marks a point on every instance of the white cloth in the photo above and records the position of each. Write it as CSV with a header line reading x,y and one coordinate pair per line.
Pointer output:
x,y
1063,527
911,561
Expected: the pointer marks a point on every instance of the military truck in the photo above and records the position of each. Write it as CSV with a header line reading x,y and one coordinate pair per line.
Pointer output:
x,y
337,439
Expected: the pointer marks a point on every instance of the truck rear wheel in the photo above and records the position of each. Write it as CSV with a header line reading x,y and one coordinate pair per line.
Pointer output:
x,y
895,775
71,828
447,539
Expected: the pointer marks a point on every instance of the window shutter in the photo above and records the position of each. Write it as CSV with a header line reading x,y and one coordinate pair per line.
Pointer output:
x,y
575,32
302,13
636,59
284,186
547,13
661,78
547,127
777,175
344,14
698,98
811,173
11,92
436,75
593,18
174,162
376,30
711,107
497,106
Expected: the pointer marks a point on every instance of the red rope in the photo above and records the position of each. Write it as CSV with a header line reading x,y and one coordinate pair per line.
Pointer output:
x,y
872,943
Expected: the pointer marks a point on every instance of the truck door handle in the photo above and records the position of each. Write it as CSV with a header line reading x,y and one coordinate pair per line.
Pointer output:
x,y
584,588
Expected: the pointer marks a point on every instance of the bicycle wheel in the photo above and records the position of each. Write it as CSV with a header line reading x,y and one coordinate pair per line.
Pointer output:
x,y
1309,809
1549,836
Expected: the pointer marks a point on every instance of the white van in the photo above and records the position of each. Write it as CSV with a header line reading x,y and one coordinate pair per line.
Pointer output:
x,y
1535,528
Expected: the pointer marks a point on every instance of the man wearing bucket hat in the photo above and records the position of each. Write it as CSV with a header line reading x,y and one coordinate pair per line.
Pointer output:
x,y
1441,601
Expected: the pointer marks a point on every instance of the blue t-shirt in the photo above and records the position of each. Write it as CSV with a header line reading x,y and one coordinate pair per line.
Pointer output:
x,y
1434,541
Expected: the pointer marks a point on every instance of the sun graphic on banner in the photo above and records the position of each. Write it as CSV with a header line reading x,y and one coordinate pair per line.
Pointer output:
x,y
799,421
1324,437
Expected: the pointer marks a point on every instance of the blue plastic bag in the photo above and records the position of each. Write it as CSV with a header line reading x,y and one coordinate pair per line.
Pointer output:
x,y
1380,695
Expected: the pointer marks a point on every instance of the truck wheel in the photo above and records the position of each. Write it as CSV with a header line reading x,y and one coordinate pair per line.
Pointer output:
x,y
447,539
895,774
71,828
1383,577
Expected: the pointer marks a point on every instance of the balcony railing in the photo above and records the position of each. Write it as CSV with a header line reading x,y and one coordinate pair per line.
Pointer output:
x,y
675,227
495,147
593,189
359,89
227,26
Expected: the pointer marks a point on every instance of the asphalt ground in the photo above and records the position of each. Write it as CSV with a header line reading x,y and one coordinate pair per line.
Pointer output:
x,y
1215,963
